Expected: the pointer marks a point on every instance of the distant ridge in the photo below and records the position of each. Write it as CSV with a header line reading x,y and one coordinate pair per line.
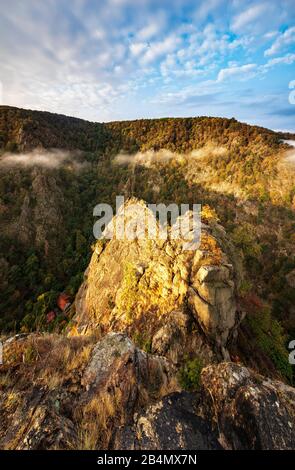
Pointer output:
x,y
24,130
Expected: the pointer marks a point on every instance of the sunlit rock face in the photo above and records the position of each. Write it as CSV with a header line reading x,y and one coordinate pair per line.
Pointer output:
x,y
171,292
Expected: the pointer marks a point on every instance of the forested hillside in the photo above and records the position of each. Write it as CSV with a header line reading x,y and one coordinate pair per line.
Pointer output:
x,y
238,172
24,129
21,129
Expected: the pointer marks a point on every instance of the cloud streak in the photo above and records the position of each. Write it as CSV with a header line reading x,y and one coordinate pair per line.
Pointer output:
x,y
244,72
284,40
247,16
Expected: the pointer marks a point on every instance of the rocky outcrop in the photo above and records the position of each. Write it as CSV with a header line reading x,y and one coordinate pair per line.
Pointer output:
x,y
120,379
248,410
40,222
116,355
234,409
48,211
165,290
89,393
212,300
37,425
86,402
169,424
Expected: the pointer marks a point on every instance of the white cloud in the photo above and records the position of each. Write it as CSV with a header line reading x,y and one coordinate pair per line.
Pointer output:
x,y
287,59
151,157
154,27
284,40
201,53
207,7
160,48
244,41
201,92
270,34
100,60
243,72
99,33
248,16
138,47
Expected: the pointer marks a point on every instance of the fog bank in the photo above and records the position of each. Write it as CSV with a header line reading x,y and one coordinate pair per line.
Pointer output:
x,y
50,159
164,156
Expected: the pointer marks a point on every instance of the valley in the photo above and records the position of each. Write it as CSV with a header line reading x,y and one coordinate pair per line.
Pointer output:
x,y
133,331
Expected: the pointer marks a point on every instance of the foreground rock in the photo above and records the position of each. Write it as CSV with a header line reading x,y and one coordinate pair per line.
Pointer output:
x,y
119,380
248,410
169,424
90,393
38,425
97,388
235,409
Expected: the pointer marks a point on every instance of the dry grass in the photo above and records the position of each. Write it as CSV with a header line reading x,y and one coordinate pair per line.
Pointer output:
x,y
22,350
13,399
79,358
64,356
5,380
93,421
49,359
169,387
52,380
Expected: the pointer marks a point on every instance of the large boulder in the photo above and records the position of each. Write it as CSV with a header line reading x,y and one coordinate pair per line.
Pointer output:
x,y
118,367
212,299
119,380
234,409
169,424
31,421
248,410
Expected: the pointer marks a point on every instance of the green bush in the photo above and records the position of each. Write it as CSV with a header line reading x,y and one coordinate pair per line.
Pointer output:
x,y
245,238
269,336
189,374
143,341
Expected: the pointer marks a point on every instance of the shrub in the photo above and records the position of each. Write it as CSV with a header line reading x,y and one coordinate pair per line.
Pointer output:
x,y
244,237
269,335
143,342
209,214
189,374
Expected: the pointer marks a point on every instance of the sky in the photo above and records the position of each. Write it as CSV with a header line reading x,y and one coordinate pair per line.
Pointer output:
x,y
105,60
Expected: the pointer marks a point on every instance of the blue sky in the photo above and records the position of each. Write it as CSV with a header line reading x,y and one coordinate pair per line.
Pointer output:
x,y
126,59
